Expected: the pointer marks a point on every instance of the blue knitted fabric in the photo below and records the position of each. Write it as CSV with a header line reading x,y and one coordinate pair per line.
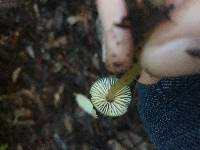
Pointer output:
x,y
170,112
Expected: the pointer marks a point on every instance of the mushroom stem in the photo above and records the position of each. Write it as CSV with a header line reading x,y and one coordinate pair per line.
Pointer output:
x,y
126,79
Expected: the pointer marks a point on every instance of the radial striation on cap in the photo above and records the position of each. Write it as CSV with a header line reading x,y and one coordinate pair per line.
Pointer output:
x,y
117,105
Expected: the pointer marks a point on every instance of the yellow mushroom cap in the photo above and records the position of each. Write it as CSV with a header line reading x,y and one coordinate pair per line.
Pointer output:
x,y
115,107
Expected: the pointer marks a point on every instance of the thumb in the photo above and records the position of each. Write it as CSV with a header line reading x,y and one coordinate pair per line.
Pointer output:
x,y
174,47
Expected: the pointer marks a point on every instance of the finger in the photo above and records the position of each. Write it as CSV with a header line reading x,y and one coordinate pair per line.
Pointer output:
x,y
146,78
167,52
118,43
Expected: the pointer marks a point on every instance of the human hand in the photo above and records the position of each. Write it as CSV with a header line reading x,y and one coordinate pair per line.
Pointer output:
x,y
169,108
172,49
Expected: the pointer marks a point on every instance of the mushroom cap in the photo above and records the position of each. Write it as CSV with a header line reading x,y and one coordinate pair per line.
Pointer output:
x,y
115,107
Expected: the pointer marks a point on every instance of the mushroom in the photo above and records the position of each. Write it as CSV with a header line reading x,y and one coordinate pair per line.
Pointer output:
x,y
112,96
111,106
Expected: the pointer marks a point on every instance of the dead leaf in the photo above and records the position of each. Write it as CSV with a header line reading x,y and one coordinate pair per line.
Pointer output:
x,y
15,74
85,104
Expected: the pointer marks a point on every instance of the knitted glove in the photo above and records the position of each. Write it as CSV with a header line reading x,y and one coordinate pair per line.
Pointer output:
x,y
170,112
